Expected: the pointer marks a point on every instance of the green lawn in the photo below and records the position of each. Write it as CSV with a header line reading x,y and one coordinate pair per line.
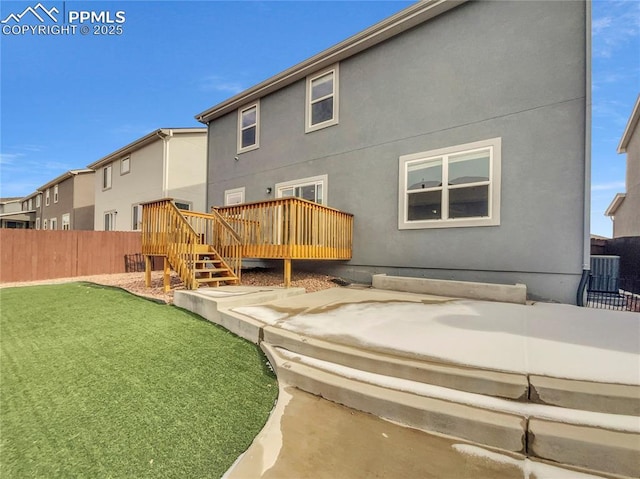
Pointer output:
x,y
96,383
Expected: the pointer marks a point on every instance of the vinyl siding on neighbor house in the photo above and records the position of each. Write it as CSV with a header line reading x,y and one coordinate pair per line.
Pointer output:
x,y
483,70
627,216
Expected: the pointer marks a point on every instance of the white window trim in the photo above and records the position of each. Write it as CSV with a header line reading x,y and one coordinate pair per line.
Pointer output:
x,y
308,127
134,226
53,224
38,201
189,203
234,191
66,221
109,176
37,223
45,224
55,194
122,170
47,197
112,214
256,145
495,144
323,179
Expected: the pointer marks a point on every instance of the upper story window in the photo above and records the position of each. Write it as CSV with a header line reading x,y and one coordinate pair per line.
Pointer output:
x,y
322,99
30,203
55,194
47,197
106,177
125,165
249,128
451,187
38,200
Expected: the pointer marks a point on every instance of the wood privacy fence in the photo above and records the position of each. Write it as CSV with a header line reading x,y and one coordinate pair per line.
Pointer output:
x,y
30,255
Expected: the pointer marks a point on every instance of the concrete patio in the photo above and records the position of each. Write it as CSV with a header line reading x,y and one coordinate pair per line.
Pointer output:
x,y
522,384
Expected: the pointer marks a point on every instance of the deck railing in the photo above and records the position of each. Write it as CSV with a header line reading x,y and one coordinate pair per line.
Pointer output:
x,y
291,228
165,232
212,229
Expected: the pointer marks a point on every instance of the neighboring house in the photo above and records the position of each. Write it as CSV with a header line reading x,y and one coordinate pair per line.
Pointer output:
x,y
12,214
67,202
624,210
168,162
455,132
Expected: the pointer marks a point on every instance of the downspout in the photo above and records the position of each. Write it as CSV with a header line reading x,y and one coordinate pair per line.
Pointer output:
x,y
207,205
586,252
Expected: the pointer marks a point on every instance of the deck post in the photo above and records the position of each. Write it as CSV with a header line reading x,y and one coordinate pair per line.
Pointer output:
x,y
166,278
147,270
287,272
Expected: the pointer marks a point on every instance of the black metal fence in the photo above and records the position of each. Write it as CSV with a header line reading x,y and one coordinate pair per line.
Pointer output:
x,y
619,294
134,263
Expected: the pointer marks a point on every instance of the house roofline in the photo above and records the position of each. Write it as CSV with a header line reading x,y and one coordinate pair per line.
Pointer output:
x,y
155,135
615,204
381,31
11,199
630,128
62,177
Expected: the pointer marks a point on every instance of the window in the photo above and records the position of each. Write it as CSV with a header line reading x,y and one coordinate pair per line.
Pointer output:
x,y
55,194
37,223
47,200
38,200
234,196
25,206
66,221
53,223
322,100
45,224
30,204
110,221
312,189
182,205
106,177
136,217
451,187
125,165
249,128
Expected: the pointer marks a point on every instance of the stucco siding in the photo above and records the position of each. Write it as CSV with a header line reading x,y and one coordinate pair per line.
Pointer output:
x,y
627,217
144,182
188,169
513,70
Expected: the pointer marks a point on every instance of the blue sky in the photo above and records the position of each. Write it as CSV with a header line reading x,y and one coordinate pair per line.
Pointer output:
x,y
68,100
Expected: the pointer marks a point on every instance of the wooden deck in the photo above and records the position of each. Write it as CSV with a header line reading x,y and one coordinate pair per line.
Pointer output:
x,y
284,228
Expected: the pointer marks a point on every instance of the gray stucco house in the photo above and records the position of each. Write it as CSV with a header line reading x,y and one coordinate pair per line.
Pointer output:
x,y
455,132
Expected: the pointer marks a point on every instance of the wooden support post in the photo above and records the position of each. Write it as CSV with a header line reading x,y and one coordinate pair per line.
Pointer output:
x,y
166,276
287,272
147,270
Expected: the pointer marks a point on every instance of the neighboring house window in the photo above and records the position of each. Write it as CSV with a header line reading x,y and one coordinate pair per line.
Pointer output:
x,y
312,189
249,128
30,204
136,217
125,165
47,199
45,224
451,187
322,99
110,221
53,224
181,205
66,221
38,200
37,223
106,177
25,205
55,194
234,196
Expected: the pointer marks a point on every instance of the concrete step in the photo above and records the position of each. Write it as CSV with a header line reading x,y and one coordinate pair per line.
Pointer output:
x,y
606,444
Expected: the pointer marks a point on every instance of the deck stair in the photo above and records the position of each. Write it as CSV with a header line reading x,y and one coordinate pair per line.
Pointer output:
x,y
210,269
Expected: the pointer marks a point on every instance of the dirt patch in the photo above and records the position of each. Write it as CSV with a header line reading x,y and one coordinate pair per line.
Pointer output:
x,y
134,282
